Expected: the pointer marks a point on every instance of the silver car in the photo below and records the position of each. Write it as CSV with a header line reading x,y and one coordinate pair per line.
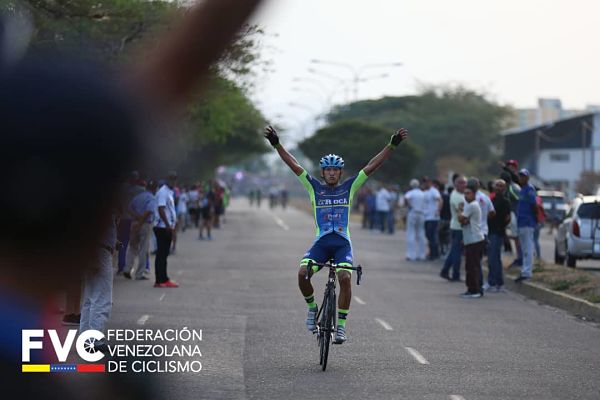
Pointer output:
x,y
578,235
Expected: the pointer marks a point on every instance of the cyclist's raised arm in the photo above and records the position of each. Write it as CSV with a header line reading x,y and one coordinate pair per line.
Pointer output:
x,y
384,154
290,160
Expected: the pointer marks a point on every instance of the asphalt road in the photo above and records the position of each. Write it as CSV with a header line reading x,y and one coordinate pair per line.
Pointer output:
x,y
410,335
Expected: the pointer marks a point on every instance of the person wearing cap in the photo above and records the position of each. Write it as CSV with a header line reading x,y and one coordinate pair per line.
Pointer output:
x,y
526,223
164,229
470,219
415,222
512,168
141,210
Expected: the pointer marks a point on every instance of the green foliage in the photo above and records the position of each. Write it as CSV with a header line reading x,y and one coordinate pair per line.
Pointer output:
x,y
444,123
103,29
222,127
221,124
357,142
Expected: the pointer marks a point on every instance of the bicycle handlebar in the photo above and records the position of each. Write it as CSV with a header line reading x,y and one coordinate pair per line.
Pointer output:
x,y
311,263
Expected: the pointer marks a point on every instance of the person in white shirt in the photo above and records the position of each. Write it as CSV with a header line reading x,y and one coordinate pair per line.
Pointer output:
x,y
433,205
382,205
487,208
141,209
454,257
470,219
415,222
164,229
182,210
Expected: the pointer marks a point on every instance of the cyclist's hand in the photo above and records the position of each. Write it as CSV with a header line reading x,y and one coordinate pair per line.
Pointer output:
x,y
271,135
400,135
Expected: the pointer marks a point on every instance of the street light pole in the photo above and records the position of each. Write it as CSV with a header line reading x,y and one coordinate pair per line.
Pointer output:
x,y
341,83
356,72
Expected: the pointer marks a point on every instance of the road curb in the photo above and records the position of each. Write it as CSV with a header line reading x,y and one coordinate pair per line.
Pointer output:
x,y
572,304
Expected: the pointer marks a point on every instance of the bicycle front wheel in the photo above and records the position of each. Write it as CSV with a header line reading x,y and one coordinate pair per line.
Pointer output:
x,y
328,325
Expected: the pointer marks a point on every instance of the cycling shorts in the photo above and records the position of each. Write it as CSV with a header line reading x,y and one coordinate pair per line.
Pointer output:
x,y
330,246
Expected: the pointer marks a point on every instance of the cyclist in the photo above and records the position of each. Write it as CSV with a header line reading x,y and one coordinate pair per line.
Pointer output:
x,y
331,204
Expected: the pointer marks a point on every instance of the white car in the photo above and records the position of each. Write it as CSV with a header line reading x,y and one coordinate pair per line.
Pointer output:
x,y
578,235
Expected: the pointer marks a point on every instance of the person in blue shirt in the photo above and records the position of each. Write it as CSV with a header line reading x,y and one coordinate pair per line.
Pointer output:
x,y
526,223
331,203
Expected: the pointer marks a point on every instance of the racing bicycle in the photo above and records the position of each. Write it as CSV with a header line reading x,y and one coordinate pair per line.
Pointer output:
x,y
326,317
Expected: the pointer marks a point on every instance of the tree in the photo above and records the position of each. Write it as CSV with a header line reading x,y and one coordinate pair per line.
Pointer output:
x,y
445,123
357,142
221,124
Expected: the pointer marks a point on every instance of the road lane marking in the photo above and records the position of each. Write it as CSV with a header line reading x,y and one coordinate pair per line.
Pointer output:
x,y
456,397
385,325
359,300
417,356
143,319
162,296
280,222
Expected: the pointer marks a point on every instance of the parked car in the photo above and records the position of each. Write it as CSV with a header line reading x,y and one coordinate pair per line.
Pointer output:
x,y
578,235
555,205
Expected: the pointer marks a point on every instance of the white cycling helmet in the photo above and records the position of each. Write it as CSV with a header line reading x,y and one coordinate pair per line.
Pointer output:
x,y
332,160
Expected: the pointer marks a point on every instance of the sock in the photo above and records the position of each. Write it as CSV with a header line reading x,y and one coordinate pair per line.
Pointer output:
x,y
342,315
310,301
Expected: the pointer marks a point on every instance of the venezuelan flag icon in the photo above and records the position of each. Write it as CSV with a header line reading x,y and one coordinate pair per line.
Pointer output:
x,y
63,368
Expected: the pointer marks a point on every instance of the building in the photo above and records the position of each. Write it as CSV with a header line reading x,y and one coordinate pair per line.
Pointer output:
x,y
548,110
558,152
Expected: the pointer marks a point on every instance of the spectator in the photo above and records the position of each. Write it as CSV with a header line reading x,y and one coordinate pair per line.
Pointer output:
x,y
382,205
176,194
131,189
487,210
470,220
433,205
541,218
497,230
251,196
219,204
258,197
164,229
526,223
207,200
391,220
182,210
445,217
98,286
415,222
194,204
486,206
453,260
141,209
512,193
371,204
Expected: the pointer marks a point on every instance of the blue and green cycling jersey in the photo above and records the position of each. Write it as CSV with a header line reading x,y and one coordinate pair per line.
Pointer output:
x,y
331,206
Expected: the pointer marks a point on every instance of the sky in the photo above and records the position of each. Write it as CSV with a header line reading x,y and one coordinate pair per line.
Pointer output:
x,y
514,50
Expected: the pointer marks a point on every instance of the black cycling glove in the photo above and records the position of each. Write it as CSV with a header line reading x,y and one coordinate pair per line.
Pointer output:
x,y
271,135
